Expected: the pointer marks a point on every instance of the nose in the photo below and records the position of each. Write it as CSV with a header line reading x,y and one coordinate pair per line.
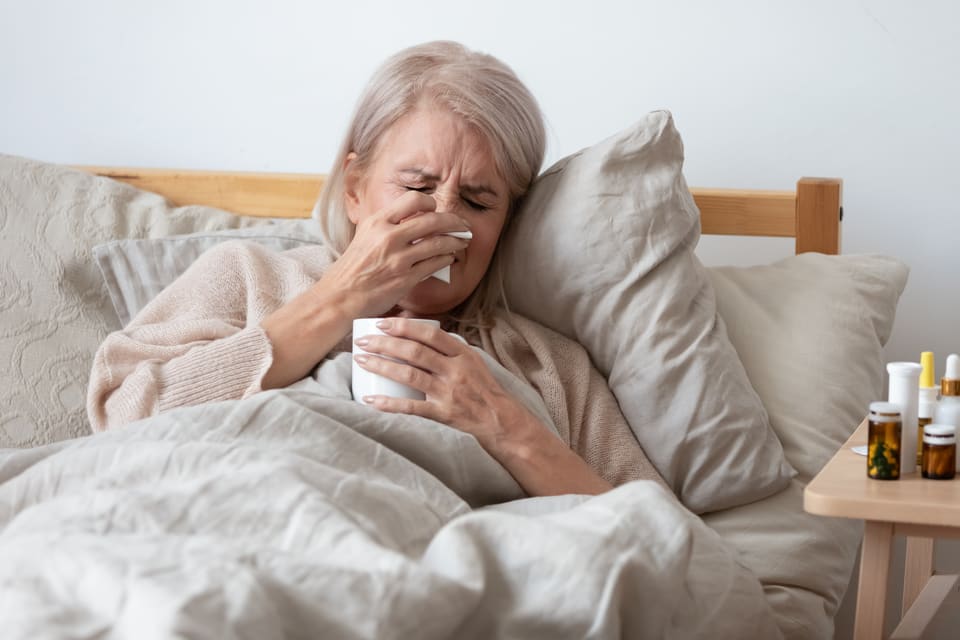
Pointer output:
x,y
447,200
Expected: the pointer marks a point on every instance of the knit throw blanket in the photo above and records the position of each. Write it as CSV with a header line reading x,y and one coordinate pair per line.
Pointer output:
x,y
200,341
580,403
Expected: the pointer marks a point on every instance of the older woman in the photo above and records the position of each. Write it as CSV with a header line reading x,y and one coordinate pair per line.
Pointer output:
x,y
443,140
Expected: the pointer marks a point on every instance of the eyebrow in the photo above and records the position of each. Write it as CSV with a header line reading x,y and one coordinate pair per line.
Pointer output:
x,y
469,188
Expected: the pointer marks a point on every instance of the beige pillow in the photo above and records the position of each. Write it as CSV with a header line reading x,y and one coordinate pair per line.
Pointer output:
x,y
602,251
54,308
810,331
136,270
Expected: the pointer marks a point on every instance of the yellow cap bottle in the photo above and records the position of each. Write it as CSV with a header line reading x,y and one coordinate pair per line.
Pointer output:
x,y
927,406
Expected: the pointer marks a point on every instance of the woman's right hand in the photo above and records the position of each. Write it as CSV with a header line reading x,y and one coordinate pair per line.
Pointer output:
x,y
381,266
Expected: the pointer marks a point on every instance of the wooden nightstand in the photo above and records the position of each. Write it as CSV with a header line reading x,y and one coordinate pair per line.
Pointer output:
x,y
914,507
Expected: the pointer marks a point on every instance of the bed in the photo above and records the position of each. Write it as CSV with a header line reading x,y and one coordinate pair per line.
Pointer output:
x,y
216,523
811,213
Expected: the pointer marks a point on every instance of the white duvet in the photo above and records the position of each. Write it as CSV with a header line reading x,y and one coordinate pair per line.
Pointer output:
x,y
301,514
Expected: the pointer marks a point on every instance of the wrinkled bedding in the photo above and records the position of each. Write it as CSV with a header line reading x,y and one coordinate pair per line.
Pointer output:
x,y
300,514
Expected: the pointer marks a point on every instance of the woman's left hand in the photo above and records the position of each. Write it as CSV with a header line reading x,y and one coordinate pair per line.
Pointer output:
x,y
461,392
460,389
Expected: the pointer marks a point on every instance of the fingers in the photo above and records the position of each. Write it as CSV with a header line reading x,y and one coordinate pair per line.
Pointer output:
x,y
405,405
425,333
422,356
414,359
416,215
412,227
435,246
401,372
410,203
412,353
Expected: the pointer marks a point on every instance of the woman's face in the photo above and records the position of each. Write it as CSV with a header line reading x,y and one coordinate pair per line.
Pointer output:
x,y
436,152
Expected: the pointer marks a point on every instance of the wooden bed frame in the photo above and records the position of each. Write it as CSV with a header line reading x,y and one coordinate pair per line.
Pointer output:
x,y
812,213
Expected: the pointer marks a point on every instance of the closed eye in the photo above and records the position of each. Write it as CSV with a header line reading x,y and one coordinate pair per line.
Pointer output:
x,y
473,204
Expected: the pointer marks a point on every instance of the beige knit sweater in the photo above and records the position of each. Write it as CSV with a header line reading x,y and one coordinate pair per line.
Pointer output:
x,y
200,341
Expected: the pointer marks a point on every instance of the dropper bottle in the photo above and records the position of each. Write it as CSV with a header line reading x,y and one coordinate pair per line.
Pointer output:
x,y
948,409
928,398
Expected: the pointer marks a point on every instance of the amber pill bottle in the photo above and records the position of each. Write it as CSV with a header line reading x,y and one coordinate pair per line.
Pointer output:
x,y
939,455
883,441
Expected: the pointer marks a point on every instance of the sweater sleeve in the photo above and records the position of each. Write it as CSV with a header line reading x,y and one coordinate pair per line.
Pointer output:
x,y
198,341
576,394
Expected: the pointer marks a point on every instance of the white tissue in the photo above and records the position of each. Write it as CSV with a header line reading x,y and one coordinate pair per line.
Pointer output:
x,y
444,274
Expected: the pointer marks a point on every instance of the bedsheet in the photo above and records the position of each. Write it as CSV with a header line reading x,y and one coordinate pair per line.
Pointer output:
x,y
298,513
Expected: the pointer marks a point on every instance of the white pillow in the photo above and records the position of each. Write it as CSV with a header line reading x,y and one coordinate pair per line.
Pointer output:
x,y
810,331
601,250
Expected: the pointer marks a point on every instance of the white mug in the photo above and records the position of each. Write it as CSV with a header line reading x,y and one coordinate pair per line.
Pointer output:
x,y
367,383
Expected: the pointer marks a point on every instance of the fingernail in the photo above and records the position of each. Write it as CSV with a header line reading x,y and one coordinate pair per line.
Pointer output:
x,y
384,324
362,359
361,342
371,399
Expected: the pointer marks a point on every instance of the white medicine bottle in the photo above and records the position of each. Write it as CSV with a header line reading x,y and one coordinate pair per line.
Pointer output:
x,y
948,409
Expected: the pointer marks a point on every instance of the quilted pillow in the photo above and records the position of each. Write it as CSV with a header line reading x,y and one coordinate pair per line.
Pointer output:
x,y
54,307
602,250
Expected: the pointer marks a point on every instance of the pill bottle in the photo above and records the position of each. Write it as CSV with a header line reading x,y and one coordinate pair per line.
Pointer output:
x,y
948,409
939,458
928,398
883,441
905,392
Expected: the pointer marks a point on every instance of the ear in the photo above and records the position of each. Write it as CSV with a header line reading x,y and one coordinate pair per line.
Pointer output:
x,y
352,184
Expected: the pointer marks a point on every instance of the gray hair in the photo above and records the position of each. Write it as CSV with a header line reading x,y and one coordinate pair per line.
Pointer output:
x,y
478,87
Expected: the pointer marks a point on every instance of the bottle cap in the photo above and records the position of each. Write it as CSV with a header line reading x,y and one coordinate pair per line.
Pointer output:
x,y
950,383
940,434
953,367
936,429
908,369
927,378
887,411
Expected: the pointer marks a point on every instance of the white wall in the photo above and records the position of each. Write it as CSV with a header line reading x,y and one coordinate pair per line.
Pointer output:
x,y
763,92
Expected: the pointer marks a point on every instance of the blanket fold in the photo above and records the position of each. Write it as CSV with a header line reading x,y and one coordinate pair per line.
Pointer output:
x,y
299,513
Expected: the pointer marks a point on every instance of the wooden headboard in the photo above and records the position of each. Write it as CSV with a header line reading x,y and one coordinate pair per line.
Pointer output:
x,y
811,213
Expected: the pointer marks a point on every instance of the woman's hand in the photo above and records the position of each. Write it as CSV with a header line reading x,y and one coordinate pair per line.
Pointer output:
x,y
381,265
461,392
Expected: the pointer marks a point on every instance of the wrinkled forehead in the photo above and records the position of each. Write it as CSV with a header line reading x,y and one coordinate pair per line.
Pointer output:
x,y
437,142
